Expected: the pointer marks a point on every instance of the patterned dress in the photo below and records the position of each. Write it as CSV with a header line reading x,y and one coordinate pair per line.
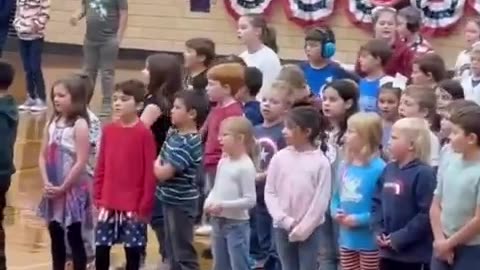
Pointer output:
x,y
74,205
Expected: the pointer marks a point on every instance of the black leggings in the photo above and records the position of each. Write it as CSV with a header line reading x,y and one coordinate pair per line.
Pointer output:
x,y
133,255
74,236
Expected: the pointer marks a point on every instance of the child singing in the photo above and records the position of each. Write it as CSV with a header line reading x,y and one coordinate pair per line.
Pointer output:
x,y
352,197
233,195
297,196
403,233
62,162
124,181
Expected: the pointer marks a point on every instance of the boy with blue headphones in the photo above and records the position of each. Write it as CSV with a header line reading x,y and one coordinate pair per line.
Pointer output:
x,y
319,69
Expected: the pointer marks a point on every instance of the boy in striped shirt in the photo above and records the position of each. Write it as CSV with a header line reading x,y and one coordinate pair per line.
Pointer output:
x,y
176,169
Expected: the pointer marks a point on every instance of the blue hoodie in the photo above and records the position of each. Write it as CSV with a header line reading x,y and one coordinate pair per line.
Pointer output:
x,y
401,209
353,196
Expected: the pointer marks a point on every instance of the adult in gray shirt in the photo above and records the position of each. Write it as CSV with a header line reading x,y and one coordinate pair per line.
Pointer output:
x,y
106,23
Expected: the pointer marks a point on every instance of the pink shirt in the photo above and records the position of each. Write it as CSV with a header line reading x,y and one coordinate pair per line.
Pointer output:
x,y
297,191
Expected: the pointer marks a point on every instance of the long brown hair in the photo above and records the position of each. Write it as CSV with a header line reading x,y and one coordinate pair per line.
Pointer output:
x,y
268,34
166,79
78,91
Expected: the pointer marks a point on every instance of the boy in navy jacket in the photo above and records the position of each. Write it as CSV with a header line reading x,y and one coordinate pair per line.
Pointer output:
x,y
401,205
402,199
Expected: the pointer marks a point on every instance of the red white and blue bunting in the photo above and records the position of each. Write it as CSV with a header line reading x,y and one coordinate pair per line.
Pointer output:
x,y
439,16
386,3
237,8
359,12
308,12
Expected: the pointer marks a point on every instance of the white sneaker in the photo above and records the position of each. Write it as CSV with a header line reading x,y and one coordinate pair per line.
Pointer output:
x,y
39,106
27,105
204,230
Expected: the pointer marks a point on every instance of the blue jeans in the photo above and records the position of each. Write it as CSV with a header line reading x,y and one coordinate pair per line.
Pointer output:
x,y
31,53
230,244
178,227
298,255
328,258
465,258
261,233
3,38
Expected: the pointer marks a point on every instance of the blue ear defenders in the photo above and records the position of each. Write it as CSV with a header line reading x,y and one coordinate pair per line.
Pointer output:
x,y
328,42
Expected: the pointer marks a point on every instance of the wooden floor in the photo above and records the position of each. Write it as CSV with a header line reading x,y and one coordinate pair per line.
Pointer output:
x,y
27,241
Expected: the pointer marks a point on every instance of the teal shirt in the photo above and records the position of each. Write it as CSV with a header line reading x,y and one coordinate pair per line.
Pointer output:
x,y
458,190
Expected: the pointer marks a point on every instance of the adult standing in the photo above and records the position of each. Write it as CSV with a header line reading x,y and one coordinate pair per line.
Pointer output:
x,y
6,7
106,23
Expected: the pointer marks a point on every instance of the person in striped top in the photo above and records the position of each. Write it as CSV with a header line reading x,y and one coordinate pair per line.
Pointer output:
x,y
176,169
31,18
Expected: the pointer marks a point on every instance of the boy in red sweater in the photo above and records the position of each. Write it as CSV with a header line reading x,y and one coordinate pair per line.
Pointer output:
x,y
124,180
224,82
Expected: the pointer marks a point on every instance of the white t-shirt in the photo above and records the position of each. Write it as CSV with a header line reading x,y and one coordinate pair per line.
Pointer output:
x,y
434,150
268,62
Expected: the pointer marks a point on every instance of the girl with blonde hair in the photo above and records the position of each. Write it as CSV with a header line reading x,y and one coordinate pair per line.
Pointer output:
x,y
403,233
233,195
420,102
352,196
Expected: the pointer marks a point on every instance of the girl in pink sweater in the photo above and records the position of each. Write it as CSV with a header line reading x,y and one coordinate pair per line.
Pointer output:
x,y
297,191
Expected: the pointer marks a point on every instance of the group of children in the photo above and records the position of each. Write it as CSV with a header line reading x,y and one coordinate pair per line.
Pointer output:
x,y
296,167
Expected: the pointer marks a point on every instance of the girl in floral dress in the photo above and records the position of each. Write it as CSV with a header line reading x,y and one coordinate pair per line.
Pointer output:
x,y
64,154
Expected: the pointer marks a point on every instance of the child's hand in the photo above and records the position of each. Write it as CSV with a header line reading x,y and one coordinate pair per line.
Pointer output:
x,y
54,191
157,166
292,227
450,257
344,219
46,186
348,221
383,240
339,215
214,209
443,249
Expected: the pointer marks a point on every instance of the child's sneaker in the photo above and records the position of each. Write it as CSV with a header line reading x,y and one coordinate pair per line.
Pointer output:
x,y
27,105
39,106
